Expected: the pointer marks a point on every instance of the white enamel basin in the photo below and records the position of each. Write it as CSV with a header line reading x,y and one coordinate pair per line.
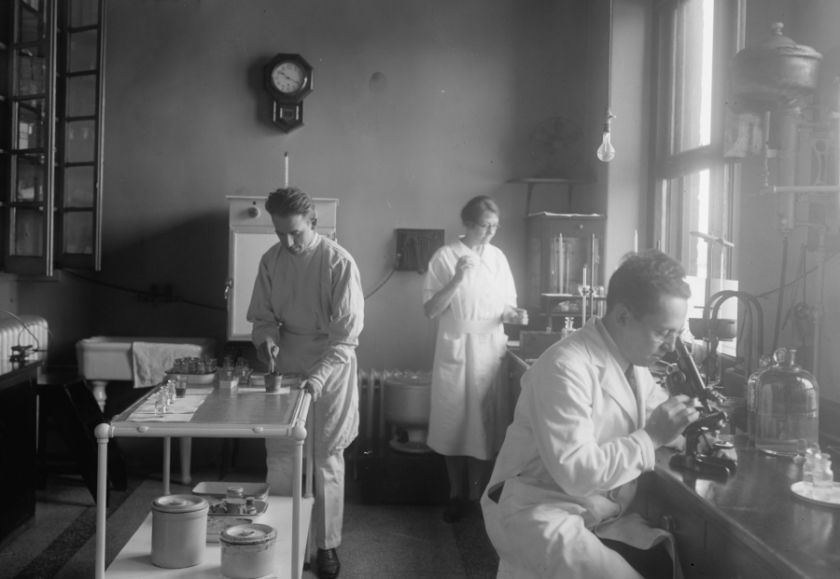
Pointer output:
x,y
109,357
105,358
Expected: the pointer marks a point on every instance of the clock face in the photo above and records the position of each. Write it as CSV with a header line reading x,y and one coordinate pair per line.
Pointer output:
x,y
288,77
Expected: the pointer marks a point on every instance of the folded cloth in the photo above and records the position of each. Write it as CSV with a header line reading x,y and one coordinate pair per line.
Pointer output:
x,y
151,360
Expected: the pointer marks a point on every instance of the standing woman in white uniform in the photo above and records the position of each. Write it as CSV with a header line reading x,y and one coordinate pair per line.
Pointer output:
x,y
469,289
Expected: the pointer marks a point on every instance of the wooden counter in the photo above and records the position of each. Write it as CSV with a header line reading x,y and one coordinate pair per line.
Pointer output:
x,y
750,526
17,442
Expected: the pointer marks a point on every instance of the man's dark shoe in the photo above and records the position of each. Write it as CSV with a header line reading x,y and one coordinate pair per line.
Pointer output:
x,y
328,565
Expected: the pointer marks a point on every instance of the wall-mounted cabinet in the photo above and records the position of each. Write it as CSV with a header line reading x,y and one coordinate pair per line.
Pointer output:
x,y
51,129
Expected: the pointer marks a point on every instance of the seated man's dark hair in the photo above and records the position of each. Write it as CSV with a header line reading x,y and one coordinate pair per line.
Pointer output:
x,y
643,278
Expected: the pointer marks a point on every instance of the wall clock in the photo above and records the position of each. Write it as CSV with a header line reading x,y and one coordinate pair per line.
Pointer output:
x,y
288,80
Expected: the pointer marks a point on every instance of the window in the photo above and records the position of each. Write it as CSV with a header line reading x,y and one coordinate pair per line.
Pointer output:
x,y
694,183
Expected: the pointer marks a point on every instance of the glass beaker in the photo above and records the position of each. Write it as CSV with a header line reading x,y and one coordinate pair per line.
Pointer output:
x,y
786,406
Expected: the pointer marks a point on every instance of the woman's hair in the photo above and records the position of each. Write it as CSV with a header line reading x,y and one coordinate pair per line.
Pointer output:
x,y
643,278
290,201
472,211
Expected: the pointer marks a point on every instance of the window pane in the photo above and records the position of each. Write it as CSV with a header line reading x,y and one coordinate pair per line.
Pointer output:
x,y
82,54
84,12
692,73
78,187
31,177
27,233
80,142
31,124
81,96
32,21
32,71
78,233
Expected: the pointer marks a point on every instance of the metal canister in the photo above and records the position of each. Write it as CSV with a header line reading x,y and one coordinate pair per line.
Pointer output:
x,y
248,551
179,530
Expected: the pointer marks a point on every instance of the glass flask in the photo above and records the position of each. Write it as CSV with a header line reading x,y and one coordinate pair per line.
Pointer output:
x,y
786,406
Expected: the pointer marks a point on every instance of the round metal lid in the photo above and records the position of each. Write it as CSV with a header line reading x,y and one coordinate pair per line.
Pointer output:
x,y
248,534
780,45
179,504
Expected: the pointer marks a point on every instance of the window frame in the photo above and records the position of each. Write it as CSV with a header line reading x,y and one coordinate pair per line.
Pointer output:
x,y
667,166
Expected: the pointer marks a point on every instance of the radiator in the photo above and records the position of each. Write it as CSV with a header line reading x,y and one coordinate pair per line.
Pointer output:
x,y
372,434
23,330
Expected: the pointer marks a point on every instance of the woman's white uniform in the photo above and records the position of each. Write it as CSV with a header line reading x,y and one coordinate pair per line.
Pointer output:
x,y
569,464
468,409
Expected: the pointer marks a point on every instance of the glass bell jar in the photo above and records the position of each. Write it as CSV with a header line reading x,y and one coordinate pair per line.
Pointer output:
x,y
786,405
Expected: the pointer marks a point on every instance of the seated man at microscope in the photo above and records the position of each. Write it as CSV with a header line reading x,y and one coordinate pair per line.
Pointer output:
x,y
586,425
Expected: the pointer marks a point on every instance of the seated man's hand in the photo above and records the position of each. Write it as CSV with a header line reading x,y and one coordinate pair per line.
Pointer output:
x,y
717,447
669,419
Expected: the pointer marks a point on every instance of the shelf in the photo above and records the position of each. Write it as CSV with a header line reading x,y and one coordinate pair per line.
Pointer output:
x,y
531,182
548,180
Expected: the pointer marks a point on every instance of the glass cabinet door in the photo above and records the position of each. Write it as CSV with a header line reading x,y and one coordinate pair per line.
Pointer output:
x,y
80,128
51,128
28,147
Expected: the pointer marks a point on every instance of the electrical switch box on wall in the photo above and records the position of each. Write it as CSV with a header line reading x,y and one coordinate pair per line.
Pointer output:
x,y
415,248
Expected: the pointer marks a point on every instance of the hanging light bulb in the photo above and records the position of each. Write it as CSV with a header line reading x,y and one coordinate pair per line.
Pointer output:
x,y
606,151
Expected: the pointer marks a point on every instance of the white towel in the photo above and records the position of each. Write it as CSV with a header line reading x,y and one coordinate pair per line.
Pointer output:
x,y
151,360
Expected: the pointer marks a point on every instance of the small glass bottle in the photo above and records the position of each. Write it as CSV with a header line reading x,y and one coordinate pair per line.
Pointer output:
x,y
568,327
823,477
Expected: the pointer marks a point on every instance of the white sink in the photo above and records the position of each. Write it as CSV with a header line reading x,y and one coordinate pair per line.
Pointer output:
x,y
102,359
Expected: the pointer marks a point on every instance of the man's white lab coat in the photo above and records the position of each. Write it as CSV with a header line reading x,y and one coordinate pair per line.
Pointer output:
x,y
570,461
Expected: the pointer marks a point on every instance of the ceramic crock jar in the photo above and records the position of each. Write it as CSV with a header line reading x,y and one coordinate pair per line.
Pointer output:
x,y
248,551
179,530
776,73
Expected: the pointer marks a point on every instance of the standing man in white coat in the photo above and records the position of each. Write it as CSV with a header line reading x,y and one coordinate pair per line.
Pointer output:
x,y
586,425
308,311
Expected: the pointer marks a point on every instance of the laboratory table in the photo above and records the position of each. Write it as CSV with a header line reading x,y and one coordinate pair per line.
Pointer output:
x,y
751,525
246,413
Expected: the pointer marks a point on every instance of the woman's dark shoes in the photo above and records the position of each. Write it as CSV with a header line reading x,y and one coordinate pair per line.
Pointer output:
x,y
454,510
327,563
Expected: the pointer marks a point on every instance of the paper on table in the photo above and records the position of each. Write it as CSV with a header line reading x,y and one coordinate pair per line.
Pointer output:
x,y
181,410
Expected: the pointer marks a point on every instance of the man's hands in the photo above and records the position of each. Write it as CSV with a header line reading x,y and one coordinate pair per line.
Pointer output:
x,y
271,349
314,388
669,419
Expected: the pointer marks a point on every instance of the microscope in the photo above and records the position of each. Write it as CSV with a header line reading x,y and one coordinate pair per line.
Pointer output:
x,y
683,377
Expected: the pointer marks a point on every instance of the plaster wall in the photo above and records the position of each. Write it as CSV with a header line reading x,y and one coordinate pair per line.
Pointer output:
x,y
417,107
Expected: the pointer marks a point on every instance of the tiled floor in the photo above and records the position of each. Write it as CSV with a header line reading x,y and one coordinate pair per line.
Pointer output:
x,y
381,541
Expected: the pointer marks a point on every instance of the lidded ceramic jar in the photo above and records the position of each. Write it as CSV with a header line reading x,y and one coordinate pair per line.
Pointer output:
x,y
179,530
248,551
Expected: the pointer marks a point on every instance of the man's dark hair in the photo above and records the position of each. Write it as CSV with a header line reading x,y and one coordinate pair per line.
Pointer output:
x,y
290,201
643,278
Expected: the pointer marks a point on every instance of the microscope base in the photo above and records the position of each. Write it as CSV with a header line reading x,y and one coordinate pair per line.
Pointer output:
x,y
709,467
